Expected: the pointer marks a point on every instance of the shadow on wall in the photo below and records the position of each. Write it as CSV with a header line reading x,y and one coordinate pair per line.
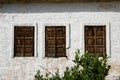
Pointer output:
x,y
60,8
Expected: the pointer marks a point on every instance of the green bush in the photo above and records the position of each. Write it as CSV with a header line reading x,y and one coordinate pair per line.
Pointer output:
x,y
87,67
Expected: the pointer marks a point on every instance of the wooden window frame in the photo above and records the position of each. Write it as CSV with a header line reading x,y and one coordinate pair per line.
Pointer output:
x,y
33,41
95,37
55,39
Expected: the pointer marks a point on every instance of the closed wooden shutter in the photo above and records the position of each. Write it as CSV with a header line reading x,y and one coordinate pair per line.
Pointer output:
x,y
95,40
50,42
55,41
24,41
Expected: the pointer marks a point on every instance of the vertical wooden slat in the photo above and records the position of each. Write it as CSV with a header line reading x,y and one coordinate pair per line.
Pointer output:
x,y
95,47
54,41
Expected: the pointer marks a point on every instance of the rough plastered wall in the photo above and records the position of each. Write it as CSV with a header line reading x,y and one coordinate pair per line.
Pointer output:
x,y
75,16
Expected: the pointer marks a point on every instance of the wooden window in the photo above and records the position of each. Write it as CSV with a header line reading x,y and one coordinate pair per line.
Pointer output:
x,y
95,40
55,41
23,41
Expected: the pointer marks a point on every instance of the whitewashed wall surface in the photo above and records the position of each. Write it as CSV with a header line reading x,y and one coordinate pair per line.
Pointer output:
x,y
72,15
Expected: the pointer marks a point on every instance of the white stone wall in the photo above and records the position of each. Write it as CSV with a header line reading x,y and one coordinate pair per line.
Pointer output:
x,y
73,15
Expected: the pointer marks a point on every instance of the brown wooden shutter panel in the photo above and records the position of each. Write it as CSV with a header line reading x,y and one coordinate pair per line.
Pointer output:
x,y
50,42
101,40
60,41
24,41
95,39
55,39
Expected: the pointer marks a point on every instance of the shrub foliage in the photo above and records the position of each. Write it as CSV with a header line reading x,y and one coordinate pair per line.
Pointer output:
x,y
87,67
